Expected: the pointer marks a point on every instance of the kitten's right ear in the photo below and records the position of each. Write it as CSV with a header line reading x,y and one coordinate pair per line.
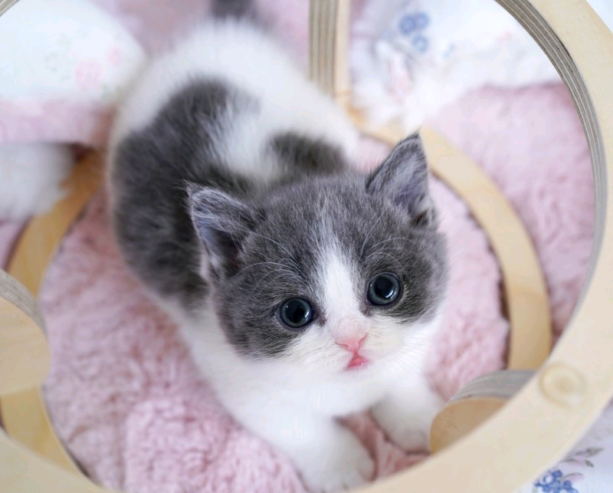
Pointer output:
x,y
403,180
222,222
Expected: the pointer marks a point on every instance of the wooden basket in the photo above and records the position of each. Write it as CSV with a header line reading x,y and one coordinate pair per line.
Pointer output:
x,y
510,442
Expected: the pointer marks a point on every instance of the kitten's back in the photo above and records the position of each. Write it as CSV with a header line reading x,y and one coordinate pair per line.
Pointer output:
x,y
240,54
227,109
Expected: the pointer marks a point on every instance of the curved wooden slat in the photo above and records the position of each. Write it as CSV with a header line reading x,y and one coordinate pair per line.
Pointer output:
x,y
24,415
474,404
6,4
458,419
24,355
21,471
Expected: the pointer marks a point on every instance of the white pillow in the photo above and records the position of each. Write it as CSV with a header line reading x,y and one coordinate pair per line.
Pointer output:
x,y
66,50
64,64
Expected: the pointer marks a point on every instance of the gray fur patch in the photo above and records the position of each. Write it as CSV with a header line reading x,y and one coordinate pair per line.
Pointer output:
x,y
175,195
310,157
235,9
279,259
151,169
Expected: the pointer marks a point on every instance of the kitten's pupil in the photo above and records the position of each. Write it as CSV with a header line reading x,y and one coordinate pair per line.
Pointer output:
x,y
383,289
296,313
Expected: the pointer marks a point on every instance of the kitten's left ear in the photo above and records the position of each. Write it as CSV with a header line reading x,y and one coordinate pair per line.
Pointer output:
x,y
403,179
222,222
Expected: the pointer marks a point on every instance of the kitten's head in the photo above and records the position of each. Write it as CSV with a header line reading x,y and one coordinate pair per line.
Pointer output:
x,y
334,274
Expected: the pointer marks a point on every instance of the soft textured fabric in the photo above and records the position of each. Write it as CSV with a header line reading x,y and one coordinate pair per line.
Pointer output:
x,y
531,142
63,61
411,57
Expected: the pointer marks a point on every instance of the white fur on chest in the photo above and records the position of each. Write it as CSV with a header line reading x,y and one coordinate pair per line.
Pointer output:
x,y
244,383
313,374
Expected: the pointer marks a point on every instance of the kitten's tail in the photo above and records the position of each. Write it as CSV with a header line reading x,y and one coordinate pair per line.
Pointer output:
x,y
235,9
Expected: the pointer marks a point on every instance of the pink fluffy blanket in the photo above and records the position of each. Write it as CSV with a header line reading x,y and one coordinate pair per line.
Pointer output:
x,y
128,402
126,398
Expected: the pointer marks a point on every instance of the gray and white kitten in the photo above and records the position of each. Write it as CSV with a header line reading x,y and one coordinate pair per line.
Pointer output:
x,y
305,290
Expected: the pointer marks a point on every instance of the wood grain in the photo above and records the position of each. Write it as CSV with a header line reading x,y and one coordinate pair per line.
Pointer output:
x,y
43,234
24,415
458,419
24,355
474,405
21,471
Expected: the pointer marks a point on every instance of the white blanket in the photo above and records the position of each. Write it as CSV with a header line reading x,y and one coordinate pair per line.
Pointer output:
x,y
412,57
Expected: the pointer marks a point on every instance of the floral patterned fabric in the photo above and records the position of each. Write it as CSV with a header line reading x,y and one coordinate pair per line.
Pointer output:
x,y
588,468
410,58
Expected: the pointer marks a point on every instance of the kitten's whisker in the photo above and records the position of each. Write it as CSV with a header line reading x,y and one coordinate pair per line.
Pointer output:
x,y
394,260
372,247
280,274
367,238
291,256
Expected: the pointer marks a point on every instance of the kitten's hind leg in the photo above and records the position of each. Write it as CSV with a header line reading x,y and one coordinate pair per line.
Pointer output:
x,y
328,456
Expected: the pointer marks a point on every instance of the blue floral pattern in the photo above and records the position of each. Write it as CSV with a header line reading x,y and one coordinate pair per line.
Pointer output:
x,y
413,22
412,26
420,43
555,482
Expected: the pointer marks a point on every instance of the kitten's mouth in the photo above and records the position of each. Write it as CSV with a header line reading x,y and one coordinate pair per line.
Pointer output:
x,y
357,362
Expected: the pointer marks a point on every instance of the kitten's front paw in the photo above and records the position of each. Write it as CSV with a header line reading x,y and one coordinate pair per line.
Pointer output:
x,y
344,466
408,424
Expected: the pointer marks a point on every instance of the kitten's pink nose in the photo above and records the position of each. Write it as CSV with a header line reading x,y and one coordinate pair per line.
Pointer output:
x,y
353,344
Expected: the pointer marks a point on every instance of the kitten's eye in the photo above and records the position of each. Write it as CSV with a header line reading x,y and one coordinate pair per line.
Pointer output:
x,y
383,289
296,313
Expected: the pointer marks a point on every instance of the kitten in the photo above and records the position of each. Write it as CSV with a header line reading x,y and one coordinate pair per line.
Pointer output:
x,y
305,290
